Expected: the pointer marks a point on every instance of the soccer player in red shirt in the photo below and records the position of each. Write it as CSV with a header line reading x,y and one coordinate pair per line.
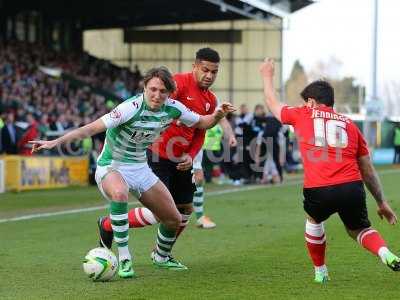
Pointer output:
x,y
336,164
171,156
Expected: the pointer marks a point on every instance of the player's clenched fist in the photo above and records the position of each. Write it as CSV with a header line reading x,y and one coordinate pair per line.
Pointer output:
x,y
267,67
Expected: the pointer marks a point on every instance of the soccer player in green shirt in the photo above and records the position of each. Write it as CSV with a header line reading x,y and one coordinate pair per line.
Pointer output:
x,y
122,165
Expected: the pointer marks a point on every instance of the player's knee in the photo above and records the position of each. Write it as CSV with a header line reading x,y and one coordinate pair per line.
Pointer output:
x,y
173,222
353,233
200,182
186,209
119,194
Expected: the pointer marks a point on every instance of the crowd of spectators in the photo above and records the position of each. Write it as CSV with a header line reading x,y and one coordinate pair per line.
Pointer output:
x,y
36,100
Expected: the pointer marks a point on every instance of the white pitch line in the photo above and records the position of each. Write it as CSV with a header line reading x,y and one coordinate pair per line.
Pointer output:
x,y
51,214
95,208
211,194
58,213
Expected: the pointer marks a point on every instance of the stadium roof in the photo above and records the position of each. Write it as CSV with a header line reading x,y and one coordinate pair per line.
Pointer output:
x,y
90,14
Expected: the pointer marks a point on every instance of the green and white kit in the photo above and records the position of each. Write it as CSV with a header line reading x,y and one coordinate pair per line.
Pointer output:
x,y
131,127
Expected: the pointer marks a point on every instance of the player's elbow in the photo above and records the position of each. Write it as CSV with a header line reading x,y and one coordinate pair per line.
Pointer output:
x,y
199,125
366,167
364,162
173,222
205,122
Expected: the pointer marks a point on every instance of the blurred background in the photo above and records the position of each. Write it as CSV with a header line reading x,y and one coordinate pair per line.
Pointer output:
x,y
64,64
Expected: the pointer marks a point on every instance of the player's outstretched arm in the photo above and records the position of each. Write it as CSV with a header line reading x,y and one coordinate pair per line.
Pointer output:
x,y
267,70
76,134
209,121
371,180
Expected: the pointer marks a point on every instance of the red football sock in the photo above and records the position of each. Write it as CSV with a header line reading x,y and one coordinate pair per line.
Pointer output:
x,y
107,224
141,217
371,240
137,217
316,244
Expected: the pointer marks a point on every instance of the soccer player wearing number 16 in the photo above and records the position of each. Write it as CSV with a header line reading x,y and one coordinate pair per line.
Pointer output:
x,y
336,163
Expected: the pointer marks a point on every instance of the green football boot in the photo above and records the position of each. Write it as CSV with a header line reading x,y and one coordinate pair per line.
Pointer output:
x,y
170,264
125,269
393,262
321,277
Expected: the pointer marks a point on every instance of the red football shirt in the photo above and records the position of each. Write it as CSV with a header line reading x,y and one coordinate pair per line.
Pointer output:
x,y
329,143
179,139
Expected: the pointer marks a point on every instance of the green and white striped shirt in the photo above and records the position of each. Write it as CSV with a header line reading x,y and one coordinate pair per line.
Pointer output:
x,y
132,127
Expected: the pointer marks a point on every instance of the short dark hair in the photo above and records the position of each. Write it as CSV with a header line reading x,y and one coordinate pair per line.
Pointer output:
x,y
165,76
321,91
207,54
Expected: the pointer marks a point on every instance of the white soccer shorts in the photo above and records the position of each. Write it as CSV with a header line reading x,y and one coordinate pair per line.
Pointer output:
x,y
139,180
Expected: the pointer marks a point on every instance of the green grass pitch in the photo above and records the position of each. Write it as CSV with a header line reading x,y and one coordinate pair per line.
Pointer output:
x,y
257,250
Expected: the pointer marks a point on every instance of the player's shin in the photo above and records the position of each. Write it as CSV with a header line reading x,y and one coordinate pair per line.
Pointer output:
x,y
316,245
184,223
119,224
161,256
165,240
198,201
141,217
371,240
138,217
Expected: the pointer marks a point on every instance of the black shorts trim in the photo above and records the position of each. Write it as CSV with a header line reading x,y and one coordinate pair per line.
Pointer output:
x,y
179,183
346,199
